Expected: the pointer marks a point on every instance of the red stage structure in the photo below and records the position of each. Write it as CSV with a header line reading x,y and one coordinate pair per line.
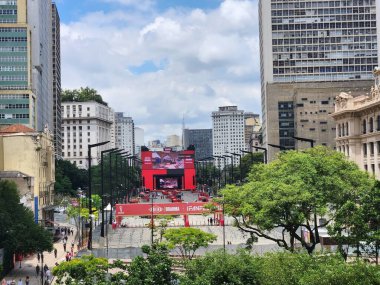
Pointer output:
x,y
165,170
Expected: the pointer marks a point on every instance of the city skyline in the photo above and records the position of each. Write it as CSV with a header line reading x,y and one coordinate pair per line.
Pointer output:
x,y
159,62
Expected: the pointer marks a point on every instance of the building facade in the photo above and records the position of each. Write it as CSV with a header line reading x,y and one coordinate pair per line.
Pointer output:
x,y
252,130
85,123
139,140
26,78
29,155
124,133
173,141
311,51
56,62
202,141
228,128
358,127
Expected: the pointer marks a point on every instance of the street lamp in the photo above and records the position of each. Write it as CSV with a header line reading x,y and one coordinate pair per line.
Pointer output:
x,y
102,190
224,166
232,166
305,140
111,181
90,146
277,146
237,154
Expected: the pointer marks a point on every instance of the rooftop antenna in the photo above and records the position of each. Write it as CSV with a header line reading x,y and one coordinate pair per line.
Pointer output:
x,y
183,131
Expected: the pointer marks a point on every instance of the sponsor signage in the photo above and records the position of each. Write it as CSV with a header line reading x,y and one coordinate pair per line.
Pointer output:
x,y
162,209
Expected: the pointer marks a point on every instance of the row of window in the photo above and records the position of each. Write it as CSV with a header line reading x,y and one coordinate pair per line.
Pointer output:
x,y
13,39
13,49
12,30
14,106
343,130
14,87
8,2
323,26
13,58
8,12
307,4
371,147
13,78
370,125
14,116
14,96
13,68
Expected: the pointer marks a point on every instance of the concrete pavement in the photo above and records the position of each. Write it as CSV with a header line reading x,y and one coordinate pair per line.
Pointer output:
x,y
28,265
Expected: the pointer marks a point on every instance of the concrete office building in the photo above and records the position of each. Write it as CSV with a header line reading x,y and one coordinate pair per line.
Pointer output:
x,y
252,130
124,133
85,123
201,139
173,141
228,127
311,51
56,62
26,78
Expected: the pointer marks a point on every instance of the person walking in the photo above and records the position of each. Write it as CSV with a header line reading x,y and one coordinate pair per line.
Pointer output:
x,y
38,257
38,269
42,257
64,246
27,280
20,282
55,253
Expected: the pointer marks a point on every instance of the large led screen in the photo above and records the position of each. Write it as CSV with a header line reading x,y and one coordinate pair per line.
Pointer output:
x,y
168,183
167,160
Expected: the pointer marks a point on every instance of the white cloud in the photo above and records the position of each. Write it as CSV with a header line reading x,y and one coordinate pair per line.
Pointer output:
x,y
138,4
211,59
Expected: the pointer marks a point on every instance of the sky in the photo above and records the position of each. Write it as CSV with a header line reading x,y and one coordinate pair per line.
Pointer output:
x,y
160,61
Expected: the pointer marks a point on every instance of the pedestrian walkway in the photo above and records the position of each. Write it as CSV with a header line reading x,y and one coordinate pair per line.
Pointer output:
x,y
28,265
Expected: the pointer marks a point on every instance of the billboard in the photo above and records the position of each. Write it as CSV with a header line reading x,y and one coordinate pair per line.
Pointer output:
x,y
187,208
168,183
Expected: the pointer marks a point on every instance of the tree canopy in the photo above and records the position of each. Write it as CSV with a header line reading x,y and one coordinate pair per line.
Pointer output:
x,y
82,95
18,231
292,192
188,240
69,178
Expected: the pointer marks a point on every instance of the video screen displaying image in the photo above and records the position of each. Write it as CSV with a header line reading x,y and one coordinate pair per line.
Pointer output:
x,y
168,183
167,160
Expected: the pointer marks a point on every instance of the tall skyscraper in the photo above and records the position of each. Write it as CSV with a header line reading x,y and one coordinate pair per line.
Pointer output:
x,y
228,131
139,140
124,132
56,53
310,52
26,95
201,139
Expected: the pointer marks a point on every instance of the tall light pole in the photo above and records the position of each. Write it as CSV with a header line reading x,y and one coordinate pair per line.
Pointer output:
x,y
277,146
102,190
232,166
111,181
90,146
237,154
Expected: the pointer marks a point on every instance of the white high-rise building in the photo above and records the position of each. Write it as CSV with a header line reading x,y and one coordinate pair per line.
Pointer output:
x,y
228,132
124,133
85,123
310,51
139,140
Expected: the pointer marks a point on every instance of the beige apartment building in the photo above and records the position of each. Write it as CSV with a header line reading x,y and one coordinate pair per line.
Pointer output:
x,y
27,157
358,127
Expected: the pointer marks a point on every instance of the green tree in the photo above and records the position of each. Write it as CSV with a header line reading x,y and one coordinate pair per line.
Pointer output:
x,y
188,240
69,178
156,269
292,192
86,270
220,268
357,223
19,234
82,95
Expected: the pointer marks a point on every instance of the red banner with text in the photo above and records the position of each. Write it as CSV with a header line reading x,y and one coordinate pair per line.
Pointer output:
x,y
193,208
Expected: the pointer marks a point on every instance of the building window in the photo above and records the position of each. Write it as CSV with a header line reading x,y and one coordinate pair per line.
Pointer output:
x,y
364,127
373,168
347,133
378,123
366,167
364,149
372,148
339,131
371,125
378,147
343,130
